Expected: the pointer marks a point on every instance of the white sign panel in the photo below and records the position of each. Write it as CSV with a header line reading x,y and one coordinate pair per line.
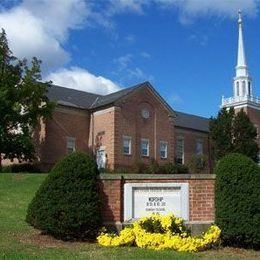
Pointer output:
x,y
142,199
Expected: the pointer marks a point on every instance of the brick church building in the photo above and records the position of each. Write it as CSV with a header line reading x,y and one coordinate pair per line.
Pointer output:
x,y
132,125
135,124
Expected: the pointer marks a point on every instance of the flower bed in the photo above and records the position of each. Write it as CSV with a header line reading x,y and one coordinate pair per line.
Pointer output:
x,y
161,232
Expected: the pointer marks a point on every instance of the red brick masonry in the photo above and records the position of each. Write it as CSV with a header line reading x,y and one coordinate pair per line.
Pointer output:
x,y
201,194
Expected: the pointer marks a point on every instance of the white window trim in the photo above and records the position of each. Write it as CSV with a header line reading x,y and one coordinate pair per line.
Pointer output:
x,y
166,150
125,137
148,147
183,153
70,139
199,141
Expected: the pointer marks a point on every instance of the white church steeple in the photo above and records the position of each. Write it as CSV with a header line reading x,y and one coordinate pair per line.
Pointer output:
x,y
241,57
242,81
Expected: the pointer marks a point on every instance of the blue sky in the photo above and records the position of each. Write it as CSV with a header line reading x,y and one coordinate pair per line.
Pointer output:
x,y
186,48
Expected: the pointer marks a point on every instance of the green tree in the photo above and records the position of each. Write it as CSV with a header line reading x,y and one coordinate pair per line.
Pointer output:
x,y
237,200
67,203
233,132
23,101
244,136
221,130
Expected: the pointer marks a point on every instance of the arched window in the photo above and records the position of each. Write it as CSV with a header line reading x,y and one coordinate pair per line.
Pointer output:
x,y
243,88
237,88
249,88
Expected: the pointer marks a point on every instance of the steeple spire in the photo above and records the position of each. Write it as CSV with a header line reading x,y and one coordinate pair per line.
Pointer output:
x,y
242,82
241,68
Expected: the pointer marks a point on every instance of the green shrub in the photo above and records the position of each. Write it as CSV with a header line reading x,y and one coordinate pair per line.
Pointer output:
x,y
21,167
198,163
67,203
140,167
171,168
153,167
121,170
181,168
238,201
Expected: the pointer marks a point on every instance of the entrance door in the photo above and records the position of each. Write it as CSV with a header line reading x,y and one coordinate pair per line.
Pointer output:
x,y
101,159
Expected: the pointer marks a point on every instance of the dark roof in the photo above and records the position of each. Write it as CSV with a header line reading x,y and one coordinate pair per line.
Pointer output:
x,y
113,97
85,100
192,122
72,97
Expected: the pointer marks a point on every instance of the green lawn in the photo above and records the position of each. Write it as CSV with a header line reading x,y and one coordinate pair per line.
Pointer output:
x,y
20,241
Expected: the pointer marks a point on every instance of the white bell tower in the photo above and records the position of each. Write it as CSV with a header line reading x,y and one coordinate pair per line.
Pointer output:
x,y
242,82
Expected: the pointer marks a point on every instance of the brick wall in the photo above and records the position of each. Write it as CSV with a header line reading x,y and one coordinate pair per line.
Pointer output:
x,y
190,138
109,125
102,133
201,194
129,122
51,136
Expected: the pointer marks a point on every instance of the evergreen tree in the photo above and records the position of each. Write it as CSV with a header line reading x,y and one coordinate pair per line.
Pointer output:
x,y
221,130
244,135
233,132
23,101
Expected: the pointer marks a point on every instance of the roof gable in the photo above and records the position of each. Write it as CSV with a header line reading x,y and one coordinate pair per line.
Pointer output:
x,y
118,96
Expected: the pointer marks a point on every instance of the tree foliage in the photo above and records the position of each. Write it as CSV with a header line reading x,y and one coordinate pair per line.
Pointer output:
x,y
233,132
67,203
237,200
23,101
244,136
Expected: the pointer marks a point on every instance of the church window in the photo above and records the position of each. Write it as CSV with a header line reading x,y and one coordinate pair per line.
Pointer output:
x,y
244,88
145,147
249,89
199,147
163,150
127,145
71,144
237,88
180,151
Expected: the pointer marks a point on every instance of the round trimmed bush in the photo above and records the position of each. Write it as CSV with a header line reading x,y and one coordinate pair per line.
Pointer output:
x,y
66,205
238,200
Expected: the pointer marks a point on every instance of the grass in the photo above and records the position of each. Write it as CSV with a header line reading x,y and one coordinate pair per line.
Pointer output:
x,y
20,241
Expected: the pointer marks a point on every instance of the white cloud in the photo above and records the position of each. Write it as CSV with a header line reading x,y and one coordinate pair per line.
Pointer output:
x,y
124,61
145,55
39,28
189,9
120,6
78,78
42,27
130,38
127,69
30,39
